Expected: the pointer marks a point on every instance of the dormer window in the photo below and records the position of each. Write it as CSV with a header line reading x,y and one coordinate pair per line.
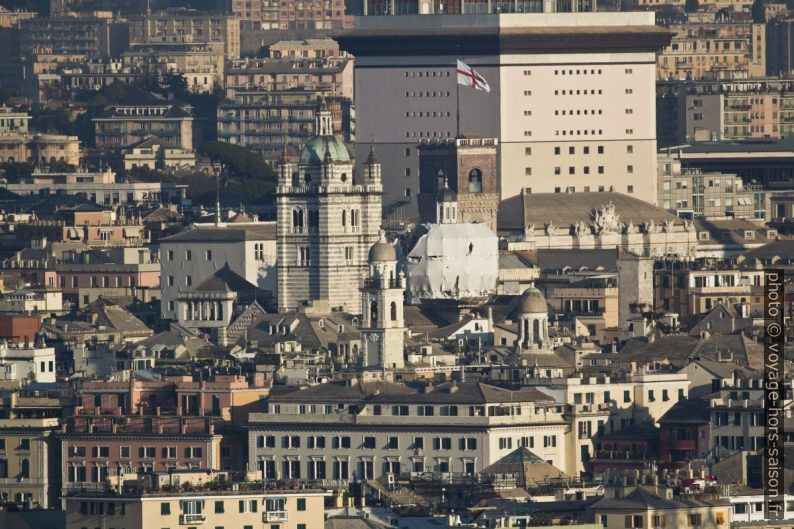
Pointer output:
x,y
749,234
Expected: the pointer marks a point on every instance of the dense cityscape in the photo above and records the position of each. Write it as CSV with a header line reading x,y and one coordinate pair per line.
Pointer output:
x,y
326,264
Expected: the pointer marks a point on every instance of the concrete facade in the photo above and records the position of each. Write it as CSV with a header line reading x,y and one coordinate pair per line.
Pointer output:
x,y
576,117
191,256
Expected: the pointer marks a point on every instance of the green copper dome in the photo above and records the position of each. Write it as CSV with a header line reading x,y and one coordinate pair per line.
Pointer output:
x,y
313,152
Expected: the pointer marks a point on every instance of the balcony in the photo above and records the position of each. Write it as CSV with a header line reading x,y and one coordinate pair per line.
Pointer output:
x,y
186,519
275,516
681,444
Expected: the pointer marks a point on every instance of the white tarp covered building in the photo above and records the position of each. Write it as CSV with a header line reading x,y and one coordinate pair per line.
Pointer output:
x,y
453,261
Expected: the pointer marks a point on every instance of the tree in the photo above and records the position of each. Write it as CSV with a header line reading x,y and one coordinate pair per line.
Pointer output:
x,y
234,161
240,170
691,6
759,12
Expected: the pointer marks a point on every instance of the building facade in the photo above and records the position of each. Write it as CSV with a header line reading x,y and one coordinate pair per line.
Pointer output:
x,y
599,102
101,188
380,428
189,257
721,50
467,166
42,150
285,509
707,195
213,32
130,122
706,111
328,219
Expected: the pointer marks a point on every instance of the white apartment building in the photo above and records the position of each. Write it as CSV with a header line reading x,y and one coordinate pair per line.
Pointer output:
x,y
346,430
572,100
35,363
187,258
32,300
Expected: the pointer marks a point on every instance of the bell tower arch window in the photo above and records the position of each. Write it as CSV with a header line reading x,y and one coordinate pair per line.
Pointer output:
x,y
475,181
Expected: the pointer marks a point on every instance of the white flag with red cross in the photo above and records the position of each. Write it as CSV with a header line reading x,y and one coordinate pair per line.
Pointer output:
x,y
468,76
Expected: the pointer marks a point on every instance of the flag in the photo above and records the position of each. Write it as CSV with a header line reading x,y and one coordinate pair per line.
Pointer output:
x,y
468,76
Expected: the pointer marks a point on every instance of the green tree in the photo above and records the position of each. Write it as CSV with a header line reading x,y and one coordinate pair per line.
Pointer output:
x,y
691,6
13,172
240,171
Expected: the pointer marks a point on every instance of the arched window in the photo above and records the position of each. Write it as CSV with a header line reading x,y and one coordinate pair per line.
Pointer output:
x,y
355,349
373,311
475,181
536,330
24,469
393,311
344,217
344,177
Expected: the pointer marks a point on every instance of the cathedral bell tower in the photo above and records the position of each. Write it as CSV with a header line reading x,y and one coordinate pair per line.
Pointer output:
x,y
382,295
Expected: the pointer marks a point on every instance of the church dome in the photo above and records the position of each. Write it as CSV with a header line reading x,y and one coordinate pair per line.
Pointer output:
x,y
532,301
446,195
313,153
382,251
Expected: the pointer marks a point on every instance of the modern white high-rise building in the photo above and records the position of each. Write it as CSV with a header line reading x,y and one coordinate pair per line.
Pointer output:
x,y
572,100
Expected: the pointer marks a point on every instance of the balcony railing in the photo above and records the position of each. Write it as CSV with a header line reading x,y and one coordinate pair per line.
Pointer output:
x,y
275,516
186,519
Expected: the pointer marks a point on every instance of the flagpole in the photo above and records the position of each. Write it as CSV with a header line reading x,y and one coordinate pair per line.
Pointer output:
x,y
457,104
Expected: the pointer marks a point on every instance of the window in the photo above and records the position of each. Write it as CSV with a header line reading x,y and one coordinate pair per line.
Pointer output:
x,y
369,442
188,255
219,507
247,506
475,181
393,443
659,520
291,441
442,443
627,396
208,255
301,504
633,522
694,520
165,508
665,395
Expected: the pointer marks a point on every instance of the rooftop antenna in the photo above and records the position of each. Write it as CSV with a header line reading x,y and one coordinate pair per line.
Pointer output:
x,y
217,199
